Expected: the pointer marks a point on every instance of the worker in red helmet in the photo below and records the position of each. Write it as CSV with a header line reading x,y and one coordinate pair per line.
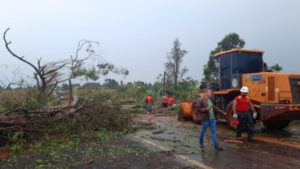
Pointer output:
x,y
241,107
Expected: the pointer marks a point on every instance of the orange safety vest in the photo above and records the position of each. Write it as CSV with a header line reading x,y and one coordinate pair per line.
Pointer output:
x,y
149,99
171,100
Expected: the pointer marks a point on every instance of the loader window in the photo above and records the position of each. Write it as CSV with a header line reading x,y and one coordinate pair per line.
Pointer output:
x,y
246,62
225,70
234,64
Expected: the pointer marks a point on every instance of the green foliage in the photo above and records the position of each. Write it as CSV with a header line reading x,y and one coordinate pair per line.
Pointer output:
x,y
88,74
90,95
105,111
67,87
111,118
187,89
92,85
18,137
127,92
110,84
33,102
276,68
2,108
157,87
40,161
16,148
134,90
18,142
210,71
30,99
105,135
105,68
230,41
53,147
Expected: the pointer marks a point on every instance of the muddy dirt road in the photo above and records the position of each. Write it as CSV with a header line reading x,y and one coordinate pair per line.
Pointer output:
x,y
270,150
162,142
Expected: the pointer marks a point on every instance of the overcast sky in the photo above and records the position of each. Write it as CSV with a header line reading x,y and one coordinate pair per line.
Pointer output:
x,y
137,34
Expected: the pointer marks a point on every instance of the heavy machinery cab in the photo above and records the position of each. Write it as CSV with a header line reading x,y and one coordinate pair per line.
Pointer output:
x,y
234,63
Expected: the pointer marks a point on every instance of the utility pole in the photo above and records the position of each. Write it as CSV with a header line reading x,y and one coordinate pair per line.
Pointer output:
x,y
164,86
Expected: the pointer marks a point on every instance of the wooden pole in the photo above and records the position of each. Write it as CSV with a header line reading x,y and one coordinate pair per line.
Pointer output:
x,y
164,86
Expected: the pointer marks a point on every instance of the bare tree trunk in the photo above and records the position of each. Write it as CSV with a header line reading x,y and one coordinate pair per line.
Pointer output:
x,y
164,86
70,91
176,69
75,96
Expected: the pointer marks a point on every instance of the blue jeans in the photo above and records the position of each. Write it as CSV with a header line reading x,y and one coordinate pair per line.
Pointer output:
x,y
212,125
149,107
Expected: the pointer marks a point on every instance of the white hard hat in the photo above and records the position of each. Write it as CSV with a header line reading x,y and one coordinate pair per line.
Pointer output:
x,y
244,89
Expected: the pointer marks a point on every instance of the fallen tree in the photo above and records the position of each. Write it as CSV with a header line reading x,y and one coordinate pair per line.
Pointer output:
x,y
98,114
22,119
47,77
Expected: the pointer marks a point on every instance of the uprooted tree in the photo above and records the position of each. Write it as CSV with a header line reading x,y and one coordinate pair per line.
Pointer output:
x,y
85,63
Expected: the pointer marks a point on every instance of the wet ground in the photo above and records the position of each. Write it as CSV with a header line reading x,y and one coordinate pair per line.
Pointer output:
x,y
165,143
94,154
271,149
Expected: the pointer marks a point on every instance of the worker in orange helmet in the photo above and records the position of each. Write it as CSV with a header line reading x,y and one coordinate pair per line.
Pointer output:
x,y
241,107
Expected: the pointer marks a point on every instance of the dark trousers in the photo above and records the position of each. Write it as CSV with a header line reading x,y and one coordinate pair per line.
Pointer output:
x,y
246,124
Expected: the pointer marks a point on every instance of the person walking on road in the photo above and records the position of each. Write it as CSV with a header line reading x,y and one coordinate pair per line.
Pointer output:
x,y
164,101
206,112
241,106
149,103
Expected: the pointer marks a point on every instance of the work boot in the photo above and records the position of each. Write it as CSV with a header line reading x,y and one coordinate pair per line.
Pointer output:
x,y
218,148
201,147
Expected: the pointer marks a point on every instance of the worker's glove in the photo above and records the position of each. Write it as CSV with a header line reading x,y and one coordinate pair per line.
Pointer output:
x,y
254,115
235,116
